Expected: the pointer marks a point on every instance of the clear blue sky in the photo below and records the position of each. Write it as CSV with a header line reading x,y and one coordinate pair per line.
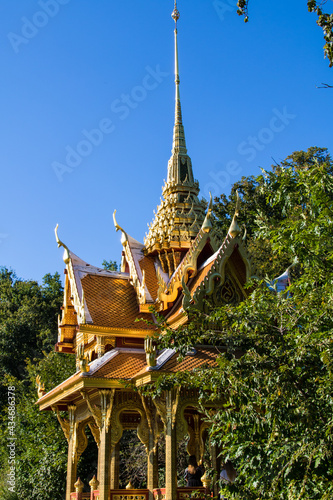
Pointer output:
x,y
68,67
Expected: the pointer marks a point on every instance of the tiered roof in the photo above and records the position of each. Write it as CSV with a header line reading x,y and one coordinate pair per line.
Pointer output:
x,y
121,365
107,315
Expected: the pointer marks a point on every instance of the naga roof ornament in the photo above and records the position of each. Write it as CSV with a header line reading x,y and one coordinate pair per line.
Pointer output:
x,y
66,256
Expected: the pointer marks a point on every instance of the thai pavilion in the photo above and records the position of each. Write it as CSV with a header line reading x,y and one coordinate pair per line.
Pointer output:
x,y
180,262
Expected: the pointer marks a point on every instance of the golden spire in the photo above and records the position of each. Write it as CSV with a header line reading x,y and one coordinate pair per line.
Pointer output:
x,y
179,145
180,214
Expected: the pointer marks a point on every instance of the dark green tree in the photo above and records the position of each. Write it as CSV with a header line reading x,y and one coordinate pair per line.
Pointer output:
x,y
28,319
28,333
275,376
40,445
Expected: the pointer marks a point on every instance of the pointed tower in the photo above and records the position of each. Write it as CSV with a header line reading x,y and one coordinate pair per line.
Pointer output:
x,y
180,214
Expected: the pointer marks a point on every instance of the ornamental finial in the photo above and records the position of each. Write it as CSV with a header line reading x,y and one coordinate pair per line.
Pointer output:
x,y
175,13
234,228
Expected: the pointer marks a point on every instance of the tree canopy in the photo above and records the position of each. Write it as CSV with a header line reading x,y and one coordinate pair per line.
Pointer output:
x,y
275,377
28,333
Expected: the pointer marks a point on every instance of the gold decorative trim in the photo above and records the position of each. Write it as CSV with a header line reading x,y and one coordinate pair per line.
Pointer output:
x,y
189,265
116,332
64,424
217,274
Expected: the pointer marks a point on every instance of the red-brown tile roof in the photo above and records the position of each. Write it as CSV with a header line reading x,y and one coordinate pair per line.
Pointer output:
x,y
203,356
112,302
125,365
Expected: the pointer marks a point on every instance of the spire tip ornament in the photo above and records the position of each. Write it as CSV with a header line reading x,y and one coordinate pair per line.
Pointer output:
x,y
175,13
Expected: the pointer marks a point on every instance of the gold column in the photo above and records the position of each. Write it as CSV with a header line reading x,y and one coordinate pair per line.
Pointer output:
x,y
104,462
171,445
72,457
115,467
102,417
77,443
152,447
199,452
105,447
152,466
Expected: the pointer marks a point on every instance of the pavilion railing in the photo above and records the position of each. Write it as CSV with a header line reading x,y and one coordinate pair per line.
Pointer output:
x,y
120,494
185,493
130,494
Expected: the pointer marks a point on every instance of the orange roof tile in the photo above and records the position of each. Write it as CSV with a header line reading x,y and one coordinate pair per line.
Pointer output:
x,y
203,356
122,366
112,302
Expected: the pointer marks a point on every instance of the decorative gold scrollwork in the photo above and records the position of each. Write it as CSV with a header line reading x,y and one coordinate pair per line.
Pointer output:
x,y
95,432
226,293
80,440
143,431
63,423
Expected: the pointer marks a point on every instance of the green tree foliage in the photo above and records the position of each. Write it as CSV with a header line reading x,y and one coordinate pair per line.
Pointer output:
x,y
40,445
110,265
28,319
274,373
324,20
253,202
257,210
28,333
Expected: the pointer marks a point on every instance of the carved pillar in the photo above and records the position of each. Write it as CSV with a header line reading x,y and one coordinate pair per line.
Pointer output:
x,y
104,461
152,451
77,443
115,467
171,445
198,451
104,451
152,466
71,462
102,418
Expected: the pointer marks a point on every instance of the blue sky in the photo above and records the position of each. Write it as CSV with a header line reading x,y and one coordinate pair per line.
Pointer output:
x,y
87,110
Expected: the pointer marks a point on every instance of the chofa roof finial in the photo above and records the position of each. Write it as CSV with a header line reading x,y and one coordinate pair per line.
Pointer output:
x,y
124,236
66,256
